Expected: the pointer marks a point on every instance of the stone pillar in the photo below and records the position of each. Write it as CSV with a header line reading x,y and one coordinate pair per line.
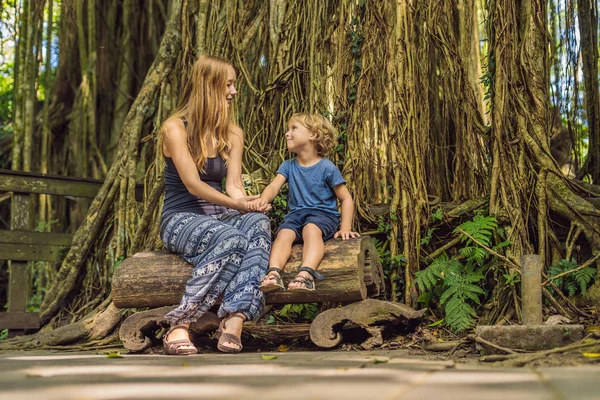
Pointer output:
x,y
531,289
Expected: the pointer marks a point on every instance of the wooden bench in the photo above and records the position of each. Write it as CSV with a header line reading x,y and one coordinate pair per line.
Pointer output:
x,y
21,244
352,273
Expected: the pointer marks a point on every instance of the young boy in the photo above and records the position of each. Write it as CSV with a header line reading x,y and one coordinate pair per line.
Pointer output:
x,y
314,184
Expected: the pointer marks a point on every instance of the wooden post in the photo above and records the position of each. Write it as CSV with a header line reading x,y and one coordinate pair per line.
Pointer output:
x,y
18,287
531,289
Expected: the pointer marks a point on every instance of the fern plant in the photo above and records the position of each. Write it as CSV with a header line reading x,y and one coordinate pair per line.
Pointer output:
x,y
300,311
456,281
457,284
578,281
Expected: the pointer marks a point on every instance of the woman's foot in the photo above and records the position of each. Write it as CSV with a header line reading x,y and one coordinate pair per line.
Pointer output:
x,y
272,281
177,341
230,332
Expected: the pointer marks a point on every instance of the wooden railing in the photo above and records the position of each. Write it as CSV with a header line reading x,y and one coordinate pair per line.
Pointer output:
x,y
20,244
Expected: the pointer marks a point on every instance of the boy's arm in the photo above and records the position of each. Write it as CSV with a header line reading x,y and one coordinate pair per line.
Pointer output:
x,y
347,211
274,187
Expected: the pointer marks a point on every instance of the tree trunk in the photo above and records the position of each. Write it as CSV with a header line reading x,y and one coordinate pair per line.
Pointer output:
x,y
154,279
103,203
588,28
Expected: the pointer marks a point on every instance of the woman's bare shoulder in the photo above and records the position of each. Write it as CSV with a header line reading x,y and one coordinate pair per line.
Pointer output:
x,y
235,130
174,136
174,127
236,134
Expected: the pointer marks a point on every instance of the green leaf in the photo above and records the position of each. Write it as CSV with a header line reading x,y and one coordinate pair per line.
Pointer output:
x,y
379,361
271,319
424,297
268,357
114,354
437,215
436,323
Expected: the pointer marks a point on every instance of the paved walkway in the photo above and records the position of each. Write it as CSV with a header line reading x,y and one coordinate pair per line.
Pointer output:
x,y
293,375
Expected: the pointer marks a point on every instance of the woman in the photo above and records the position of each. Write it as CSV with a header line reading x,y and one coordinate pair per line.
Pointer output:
x,y
228,247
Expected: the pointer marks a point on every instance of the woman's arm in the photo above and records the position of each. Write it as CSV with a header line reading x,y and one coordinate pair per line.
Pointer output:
x,y
233,184
175,146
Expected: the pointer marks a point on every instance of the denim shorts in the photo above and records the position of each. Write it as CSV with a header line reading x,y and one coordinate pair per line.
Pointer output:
x,y
327,222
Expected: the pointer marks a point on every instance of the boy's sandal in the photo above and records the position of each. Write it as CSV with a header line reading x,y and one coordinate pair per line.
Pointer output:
x,y
178,347
228,337
276,283
308,284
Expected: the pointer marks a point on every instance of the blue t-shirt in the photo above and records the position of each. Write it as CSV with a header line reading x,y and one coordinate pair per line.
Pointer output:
x,y
312,187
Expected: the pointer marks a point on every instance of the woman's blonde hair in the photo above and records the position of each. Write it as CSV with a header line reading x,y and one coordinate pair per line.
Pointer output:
x,y
203,107
321,127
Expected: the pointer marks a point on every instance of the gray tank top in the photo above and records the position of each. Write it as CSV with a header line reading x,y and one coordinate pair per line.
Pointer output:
x,y
178,199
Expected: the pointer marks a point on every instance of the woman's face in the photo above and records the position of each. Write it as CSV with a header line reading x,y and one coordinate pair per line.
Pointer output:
x,y
231,90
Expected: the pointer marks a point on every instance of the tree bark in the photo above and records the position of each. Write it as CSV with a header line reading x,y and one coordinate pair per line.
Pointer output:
x,y
588,29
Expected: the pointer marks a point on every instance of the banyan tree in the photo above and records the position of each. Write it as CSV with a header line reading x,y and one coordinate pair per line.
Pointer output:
x,y
444,111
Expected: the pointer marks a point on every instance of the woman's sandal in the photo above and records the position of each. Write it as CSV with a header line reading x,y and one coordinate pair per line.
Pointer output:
x,y
308,283
228,337
276,285
178,347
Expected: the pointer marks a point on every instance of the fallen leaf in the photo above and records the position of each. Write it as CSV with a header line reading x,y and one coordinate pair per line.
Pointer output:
x,y
591,355
557,320
268,357
379,361
185,364
283,348
114,354
436,323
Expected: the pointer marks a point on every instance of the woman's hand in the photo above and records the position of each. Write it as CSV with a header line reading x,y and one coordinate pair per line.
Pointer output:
x,y
260,205
246,203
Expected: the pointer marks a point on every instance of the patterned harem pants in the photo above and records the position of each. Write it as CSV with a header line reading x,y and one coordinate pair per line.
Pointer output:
x,y
230,255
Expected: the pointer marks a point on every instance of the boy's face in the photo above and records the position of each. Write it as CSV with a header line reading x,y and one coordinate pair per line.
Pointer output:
x,y
298,137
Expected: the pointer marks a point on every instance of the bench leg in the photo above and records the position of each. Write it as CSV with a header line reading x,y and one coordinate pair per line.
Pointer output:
x,y
137,332
371,315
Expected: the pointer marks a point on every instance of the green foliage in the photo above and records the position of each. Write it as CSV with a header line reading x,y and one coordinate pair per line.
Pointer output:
x,y
456,281
457,284
512,279
428,236
34,302
437,215
481,229
279,209
3,334
6,106
573,283
306,311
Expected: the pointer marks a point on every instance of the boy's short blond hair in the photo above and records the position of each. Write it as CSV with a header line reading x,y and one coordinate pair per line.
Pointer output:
x,y
321,127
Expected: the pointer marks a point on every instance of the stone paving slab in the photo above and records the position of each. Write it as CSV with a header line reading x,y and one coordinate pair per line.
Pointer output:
x,y
392,375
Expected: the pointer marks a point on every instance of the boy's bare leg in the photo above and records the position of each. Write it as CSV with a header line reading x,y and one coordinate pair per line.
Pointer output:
x,y
312,252
280,253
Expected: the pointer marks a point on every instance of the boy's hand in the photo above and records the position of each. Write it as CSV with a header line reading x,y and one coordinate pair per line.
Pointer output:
x,y
260,205
346,234
245,204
